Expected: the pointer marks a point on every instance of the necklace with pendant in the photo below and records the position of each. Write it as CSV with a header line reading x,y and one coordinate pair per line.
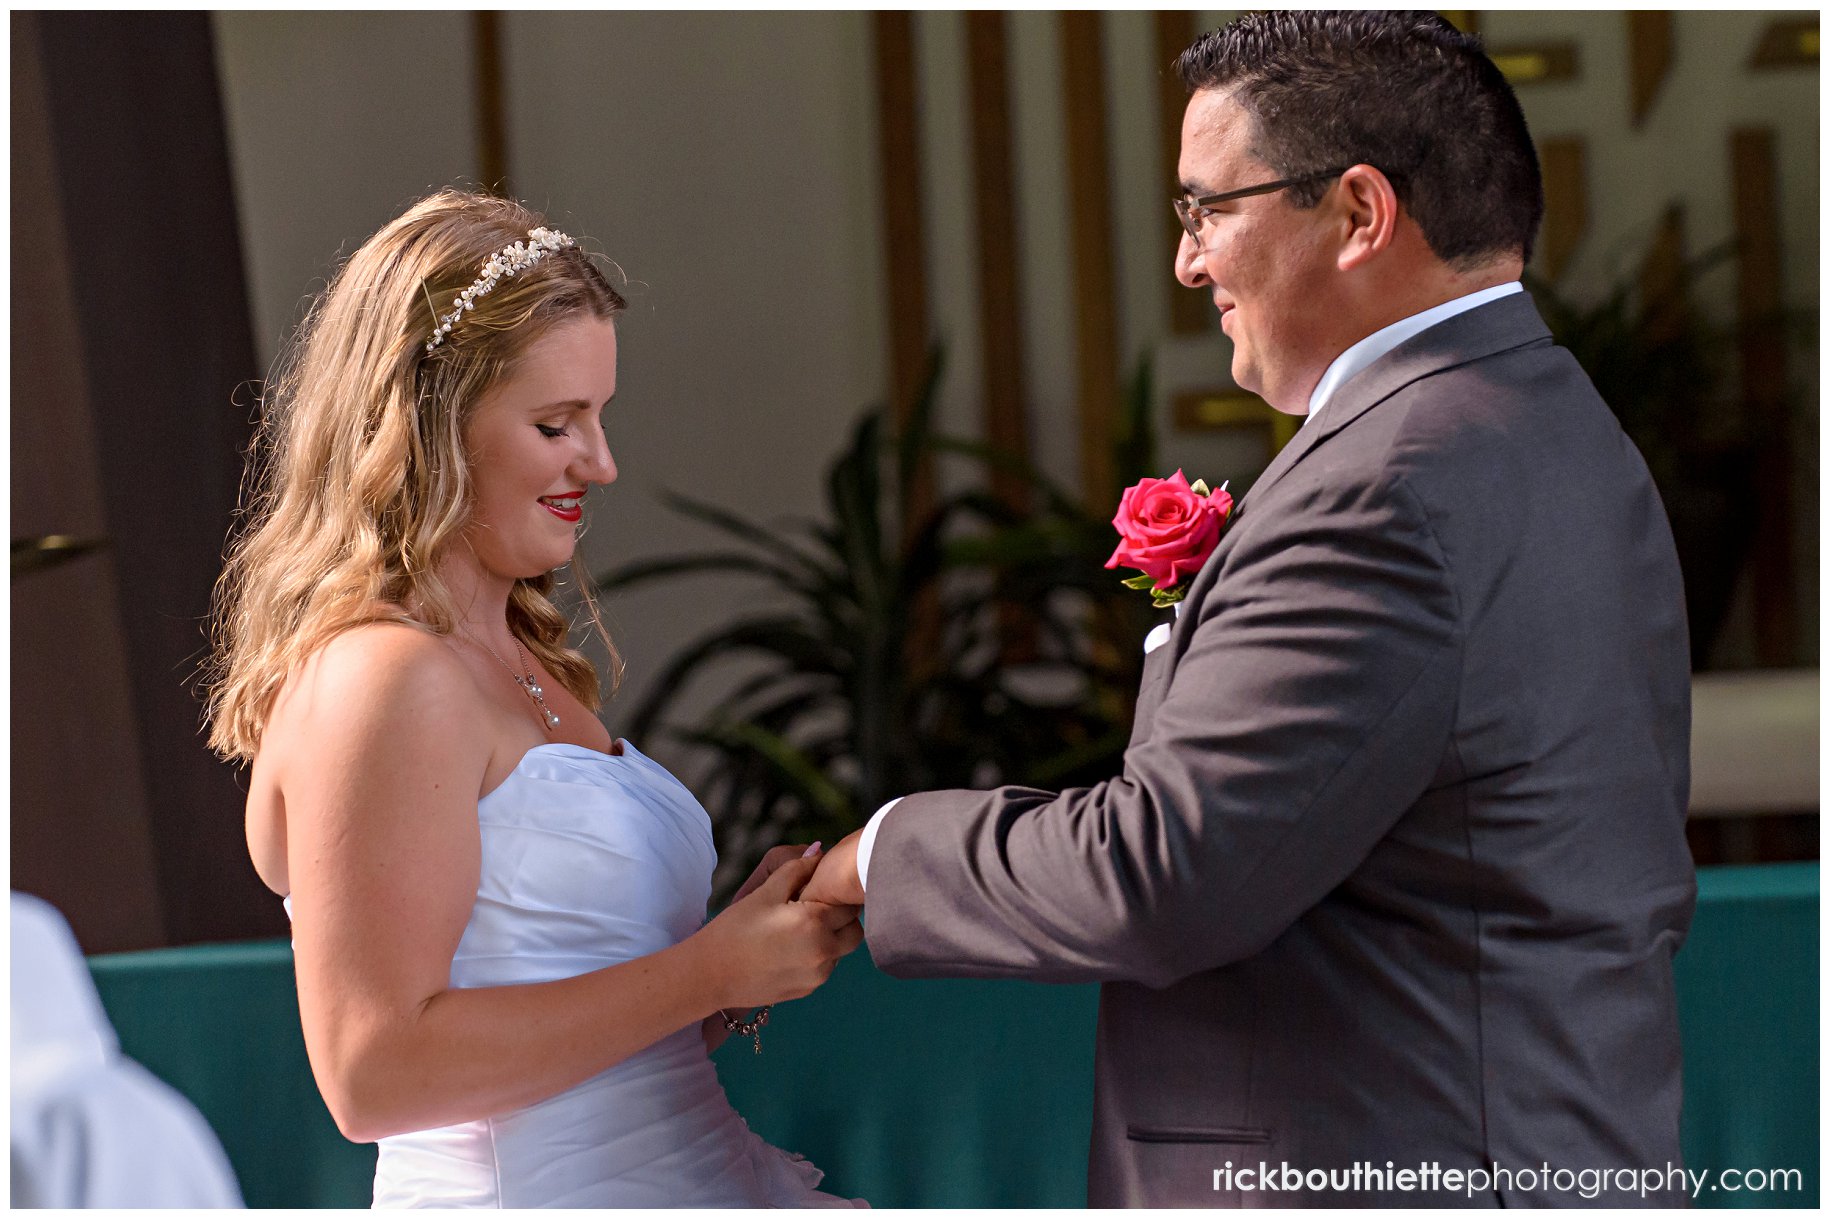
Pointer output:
x,y
527,682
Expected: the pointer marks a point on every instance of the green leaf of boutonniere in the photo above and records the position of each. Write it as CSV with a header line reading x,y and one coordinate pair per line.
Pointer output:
x,y
1140,581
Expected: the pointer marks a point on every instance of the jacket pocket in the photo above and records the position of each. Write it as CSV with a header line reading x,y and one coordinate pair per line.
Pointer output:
x,y
1206,1134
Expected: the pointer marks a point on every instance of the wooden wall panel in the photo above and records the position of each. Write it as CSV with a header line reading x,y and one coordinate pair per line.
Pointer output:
x,y
162,317
1566,203
1189,311
492,122
1089,203
994,206
1661,275
904,232
1650,34
81,822
1754,172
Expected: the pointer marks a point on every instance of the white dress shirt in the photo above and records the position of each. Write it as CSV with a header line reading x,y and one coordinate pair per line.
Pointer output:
x,y
1346,366
1361,355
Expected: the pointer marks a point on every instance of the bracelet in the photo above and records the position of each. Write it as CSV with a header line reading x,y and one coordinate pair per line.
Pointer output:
x,y
752,1028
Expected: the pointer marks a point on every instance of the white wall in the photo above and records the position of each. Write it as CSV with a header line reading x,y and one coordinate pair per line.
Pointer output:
x,y
726,162
1681,154
336,122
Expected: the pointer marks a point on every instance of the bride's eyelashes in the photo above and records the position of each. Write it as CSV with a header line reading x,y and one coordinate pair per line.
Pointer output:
x,y
553,433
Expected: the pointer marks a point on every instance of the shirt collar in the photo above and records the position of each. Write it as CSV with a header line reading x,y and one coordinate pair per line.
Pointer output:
x,y
1365,352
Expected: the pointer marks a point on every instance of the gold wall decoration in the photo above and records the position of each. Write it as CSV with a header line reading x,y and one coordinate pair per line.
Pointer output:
x,y
1788,43
1467,20
1564,162
1536,64
1650,34
1234,410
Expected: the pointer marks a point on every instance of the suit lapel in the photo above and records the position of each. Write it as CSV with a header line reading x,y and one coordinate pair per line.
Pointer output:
x,y
1501,325
1149,693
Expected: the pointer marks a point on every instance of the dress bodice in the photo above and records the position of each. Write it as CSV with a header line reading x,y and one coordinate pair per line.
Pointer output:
x,y
589,860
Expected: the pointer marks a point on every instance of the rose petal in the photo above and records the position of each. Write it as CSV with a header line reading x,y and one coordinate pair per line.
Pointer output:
x,y
1168,530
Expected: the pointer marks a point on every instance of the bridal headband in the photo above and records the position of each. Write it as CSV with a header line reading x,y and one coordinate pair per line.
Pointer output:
x,y
511,261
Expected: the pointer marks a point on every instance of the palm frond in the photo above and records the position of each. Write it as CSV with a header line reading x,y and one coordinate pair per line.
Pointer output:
x,y
848,700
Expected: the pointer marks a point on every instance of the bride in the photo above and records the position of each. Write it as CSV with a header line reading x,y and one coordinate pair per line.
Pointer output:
x,y
505,974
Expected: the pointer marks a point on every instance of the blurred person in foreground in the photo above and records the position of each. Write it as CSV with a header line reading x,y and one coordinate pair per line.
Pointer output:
x,y
1395,868
505,973
91,1127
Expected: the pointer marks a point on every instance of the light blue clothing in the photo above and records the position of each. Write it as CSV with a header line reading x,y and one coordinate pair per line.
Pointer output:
x,y
592,859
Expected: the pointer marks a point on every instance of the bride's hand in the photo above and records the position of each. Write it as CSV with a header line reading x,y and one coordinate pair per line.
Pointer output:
x,y
768,948
770,862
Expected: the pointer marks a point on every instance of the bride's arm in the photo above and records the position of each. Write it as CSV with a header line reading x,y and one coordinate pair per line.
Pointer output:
x,y
385,757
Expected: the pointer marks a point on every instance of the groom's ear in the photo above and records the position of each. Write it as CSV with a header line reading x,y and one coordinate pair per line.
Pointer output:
x,y
1369,216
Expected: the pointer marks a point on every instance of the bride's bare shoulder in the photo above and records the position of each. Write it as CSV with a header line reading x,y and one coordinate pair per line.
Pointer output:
x,y
380,690
394,646
370,676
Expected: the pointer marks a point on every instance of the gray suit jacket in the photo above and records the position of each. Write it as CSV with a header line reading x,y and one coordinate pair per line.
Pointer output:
x,y
1396,866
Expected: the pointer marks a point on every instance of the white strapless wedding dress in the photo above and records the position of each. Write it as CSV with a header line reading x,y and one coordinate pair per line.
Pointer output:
x,y
590,859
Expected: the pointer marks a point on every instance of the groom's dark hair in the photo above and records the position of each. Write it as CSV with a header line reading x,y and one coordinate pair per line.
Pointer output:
x,y
1406,93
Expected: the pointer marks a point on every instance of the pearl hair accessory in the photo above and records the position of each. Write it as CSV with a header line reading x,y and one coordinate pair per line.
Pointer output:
x,y
511,261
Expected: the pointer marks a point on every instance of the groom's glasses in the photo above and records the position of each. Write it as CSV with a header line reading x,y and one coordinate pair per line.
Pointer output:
x,y
1192,212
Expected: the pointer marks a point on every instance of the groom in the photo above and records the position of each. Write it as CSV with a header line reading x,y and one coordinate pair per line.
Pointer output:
x,y
1395,867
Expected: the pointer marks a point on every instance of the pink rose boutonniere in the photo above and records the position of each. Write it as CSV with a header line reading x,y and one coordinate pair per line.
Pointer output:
x,y
1167,529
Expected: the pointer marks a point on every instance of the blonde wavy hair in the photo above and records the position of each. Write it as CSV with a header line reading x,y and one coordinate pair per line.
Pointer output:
x,y
357,481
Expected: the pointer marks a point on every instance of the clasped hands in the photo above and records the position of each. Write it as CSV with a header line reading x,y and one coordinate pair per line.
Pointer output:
x,y
785,929
835,874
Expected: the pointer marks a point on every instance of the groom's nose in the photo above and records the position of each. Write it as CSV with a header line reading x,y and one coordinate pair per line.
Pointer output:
x,y
1188,265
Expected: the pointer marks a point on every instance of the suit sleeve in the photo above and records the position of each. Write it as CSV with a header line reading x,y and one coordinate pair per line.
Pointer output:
x,y
1311,708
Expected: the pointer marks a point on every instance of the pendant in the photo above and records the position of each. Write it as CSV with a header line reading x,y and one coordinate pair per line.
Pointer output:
x,y
539,696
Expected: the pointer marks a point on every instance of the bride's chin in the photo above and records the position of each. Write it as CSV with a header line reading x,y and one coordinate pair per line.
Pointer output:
x,y
545,570
527,570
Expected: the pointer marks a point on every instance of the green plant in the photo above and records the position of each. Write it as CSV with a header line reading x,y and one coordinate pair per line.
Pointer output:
x,y
975,646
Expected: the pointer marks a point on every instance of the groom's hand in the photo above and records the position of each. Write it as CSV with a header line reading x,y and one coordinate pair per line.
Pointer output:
x,y
776,857
835,881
